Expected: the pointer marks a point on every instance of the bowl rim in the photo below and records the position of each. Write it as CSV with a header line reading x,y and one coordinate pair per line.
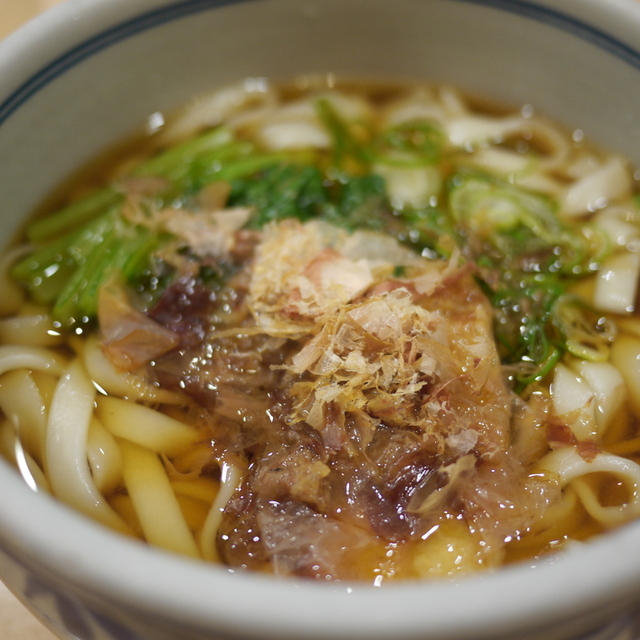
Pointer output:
x,y
45,534
578,577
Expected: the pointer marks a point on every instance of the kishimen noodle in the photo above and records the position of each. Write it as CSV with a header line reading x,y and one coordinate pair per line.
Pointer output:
x,y
367,332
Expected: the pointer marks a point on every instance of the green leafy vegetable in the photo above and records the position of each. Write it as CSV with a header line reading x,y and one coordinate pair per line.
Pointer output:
x,y
345,145
526,258
283,191
411,143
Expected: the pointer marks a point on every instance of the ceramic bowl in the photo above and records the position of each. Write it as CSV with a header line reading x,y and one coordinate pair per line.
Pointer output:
x,y
87,73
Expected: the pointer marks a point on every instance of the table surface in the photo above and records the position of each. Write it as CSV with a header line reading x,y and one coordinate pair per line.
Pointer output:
x,y
15,621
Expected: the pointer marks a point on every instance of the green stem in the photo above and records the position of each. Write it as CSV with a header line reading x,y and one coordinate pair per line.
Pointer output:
x,y
73,215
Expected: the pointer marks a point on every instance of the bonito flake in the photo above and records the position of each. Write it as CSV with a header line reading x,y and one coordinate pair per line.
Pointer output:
x,y
386,347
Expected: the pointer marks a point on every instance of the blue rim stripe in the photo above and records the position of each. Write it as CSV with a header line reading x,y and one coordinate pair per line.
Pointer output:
x,y
163,15
102,41
561,21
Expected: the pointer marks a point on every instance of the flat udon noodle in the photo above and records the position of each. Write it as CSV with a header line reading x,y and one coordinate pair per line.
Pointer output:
x,y
66,440
570,466
392,446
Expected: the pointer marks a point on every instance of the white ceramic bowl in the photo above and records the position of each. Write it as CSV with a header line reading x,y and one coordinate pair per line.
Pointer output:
x,y
88,72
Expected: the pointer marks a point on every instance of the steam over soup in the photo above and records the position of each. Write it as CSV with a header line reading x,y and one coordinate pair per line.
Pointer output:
x,y
364,332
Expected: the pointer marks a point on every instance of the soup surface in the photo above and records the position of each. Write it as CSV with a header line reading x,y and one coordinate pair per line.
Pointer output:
x,y
352,332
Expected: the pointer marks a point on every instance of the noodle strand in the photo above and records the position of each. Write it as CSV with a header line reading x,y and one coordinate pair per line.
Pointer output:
x,y
66,447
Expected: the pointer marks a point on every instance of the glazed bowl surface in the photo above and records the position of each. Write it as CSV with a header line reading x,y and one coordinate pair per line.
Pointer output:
x,y
88,73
